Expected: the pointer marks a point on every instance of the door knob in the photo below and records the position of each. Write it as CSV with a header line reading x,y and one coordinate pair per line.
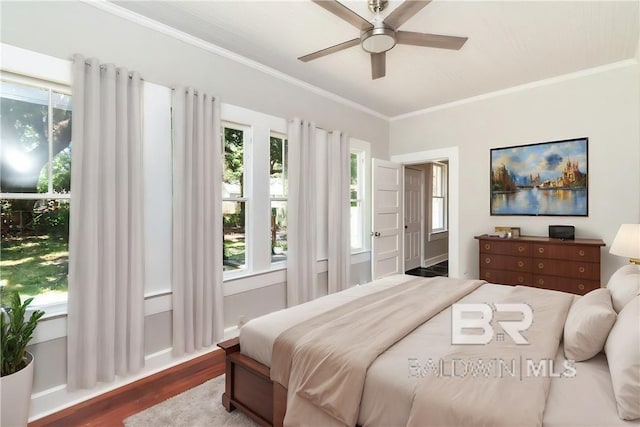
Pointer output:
x,y
406,226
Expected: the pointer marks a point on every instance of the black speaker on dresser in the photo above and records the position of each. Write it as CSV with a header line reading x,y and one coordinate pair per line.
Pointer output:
x,y
564,232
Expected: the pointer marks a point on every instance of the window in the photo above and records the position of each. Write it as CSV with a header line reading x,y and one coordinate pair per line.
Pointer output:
x,y
35,184
438,197
359,190
278,196
235,196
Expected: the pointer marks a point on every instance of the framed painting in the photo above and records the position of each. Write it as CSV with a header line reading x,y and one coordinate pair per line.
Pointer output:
x,y
548,178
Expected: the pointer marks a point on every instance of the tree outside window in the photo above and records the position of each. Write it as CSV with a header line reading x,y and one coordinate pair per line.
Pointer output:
x,y
234,200
356,189
35,184
278,190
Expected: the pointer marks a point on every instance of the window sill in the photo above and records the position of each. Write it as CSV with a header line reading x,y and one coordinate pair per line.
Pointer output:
x,y
250,281
439,235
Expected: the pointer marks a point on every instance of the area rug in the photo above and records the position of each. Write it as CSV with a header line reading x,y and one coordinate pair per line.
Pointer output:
x,y
197,407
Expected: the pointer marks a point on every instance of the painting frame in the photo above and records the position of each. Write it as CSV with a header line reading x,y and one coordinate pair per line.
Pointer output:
x,y
540,179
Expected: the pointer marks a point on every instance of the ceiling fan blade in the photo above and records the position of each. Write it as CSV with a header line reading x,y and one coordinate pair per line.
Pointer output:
x,y
343,12
402,13
329,50
430,40
378,65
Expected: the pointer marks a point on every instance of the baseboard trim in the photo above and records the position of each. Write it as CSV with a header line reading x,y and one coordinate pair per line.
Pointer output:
x,y
428,262
59,398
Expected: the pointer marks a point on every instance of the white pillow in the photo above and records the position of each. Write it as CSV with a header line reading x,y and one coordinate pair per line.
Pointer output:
x,y
624,285
588,324
623,354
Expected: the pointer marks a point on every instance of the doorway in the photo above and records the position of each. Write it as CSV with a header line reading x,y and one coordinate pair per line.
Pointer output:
x,y
435,257
426,244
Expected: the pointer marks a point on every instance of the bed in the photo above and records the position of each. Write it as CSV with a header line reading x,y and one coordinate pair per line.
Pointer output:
x,y
581,394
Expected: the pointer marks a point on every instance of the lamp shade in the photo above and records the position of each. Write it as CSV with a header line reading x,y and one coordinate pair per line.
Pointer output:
x,y
627,242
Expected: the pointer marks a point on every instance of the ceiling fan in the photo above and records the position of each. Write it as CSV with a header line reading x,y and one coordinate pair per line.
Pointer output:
x,y
379,36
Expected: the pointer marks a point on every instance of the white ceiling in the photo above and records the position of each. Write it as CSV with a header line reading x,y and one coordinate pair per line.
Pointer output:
x,y
510,43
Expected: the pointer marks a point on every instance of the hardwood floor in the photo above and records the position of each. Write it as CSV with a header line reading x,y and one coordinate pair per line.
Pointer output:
x,y
110,409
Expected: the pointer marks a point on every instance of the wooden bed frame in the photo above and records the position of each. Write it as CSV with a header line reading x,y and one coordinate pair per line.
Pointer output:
x,y
248,387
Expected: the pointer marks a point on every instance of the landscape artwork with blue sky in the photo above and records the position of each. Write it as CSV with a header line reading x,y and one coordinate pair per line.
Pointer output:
x,y
540,179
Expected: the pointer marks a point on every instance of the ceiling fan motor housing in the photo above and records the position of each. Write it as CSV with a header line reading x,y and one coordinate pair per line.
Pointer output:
x,y
377,6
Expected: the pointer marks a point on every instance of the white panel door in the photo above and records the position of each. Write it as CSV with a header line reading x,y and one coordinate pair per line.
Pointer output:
x,y
412,218
386,247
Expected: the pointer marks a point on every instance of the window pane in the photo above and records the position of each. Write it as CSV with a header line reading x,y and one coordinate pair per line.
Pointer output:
x,y
233,183
233,225
278,231
25,140
61,142
437,222
437,180
25,150
278,170
34,253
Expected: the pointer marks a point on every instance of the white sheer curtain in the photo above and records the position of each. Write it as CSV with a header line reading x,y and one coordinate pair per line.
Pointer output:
x,y
339,215
301,213
106,241
197,221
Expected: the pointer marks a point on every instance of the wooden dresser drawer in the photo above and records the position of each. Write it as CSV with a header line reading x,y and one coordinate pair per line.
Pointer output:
x,y
574,269
585,270
506,262
506,277
574,286
505,247
551,267
568,252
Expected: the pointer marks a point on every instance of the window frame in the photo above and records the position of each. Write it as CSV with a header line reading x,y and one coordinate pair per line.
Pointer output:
x,y
362,149
285,197
246,198
436,233
57,307
262,272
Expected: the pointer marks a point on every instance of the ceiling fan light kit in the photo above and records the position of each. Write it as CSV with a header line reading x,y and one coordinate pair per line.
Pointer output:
x,y
378,39
382,35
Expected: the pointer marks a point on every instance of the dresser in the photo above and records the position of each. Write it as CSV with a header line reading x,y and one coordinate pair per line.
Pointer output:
x,y
563,265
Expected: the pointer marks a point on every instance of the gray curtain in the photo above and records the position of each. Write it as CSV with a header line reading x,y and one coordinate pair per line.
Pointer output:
x,y
197,221
106,241
339,213
301,213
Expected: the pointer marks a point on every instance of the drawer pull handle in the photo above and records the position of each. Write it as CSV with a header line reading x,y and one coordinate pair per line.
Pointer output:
x,y
541,250
520,248
520,279
520,264
540,266
487,246
581,286
581,269
487,260
540,282
581,252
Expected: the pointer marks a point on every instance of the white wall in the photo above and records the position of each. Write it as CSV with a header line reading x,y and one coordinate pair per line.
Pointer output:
x,y
603,105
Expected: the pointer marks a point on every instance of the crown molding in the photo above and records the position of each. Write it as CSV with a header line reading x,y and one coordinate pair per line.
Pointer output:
x,y
136,18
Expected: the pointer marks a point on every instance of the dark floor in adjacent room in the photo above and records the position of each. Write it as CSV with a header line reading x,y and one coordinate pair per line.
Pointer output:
x,y
440,269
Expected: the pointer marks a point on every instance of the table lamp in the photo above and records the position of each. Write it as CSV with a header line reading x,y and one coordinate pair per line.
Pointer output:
x,y
627,243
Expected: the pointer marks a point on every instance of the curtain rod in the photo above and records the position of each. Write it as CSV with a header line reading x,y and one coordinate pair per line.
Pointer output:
x,y
104,66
